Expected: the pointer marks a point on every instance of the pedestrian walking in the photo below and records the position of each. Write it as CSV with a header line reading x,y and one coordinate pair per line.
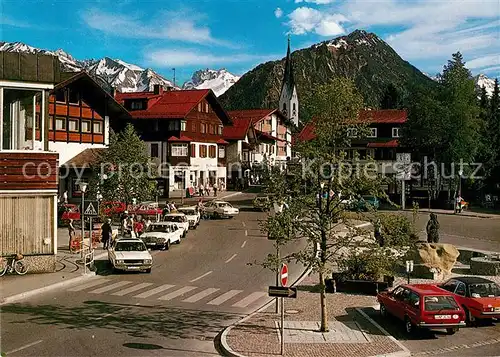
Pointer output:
x,y
433,229
202,190
378,232
71,232
215,190
106,234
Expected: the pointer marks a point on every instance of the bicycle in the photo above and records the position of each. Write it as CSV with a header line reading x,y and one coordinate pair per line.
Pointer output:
x,y
16,265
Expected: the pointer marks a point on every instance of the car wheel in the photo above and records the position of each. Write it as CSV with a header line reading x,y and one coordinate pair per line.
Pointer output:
x,y
383,310
451,330
148,271
179,241
409,328
216,215
469,319
167,245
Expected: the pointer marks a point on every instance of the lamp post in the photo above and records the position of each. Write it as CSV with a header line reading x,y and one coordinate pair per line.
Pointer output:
x,y
460,173
83,188
278,209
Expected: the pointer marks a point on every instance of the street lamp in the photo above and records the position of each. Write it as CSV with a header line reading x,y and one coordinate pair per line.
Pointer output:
x,y
83,187
460,173
278,208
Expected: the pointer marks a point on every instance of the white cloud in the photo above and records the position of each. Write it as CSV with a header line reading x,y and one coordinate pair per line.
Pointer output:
x,y
485,61
278,12
305,19
190,57
318,2
6,21
172,26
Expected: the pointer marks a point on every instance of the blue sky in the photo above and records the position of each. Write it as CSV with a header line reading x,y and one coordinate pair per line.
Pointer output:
x,y
239,34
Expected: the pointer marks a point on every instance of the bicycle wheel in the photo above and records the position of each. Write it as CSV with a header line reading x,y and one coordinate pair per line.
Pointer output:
x,y
3,266
20,267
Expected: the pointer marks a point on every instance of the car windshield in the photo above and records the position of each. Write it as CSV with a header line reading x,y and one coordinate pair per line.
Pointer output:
x,y
159,228
484,290
130,247
441,302
177,219
225,205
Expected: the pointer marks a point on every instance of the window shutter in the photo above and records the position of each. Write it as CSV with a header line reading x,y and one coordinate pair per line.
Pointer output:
x,y
193,150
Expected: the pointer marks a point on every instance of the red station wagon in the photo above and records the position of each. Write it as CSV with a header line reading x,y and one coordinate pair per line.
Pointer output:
x,y
479,297
422,306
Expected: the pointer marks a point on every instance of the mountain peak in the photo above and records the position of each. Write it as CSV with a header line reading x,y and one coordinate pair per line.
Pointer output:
x,y
482,81
219,80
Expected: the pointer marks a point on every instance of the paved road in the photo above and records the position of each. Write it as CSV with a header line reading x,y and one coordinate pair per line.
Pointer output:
x,y
195,289
470,341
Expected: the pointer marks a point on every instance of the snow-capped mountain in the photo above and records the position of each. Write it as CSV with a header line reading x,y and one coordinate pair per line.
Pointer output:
x,y
483,81
115,73
217,80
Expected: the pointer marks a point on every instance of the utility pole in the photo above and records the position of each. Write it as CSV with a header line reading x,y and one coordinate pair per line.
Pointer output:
x,y
173,69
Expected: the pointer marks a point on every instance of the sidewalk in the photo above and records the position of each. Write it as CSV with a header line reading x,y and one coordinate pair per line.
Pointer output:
x,y
352,332
464,213
69,270
220,196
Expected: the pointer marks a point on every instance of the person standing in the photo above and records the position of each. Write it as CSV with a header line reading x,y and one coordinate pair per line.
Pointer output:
x,y
433,229
215,190
71,232
378,232
106,233
202,190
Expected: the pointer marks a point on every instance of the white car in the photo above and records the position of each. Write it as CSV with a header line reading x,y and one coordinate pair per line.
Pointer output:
x,y
192,215
220,209
161,235
180,220
130,254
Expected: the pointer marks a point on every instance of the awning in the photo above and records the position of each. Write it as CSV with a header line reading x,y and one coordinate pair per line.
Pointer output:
x,y
386,144
183,139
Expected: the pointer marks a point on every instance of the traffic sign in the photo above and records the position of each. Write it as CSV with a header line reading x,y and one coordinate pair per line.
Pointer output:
x,y
282,291
284,274
91,208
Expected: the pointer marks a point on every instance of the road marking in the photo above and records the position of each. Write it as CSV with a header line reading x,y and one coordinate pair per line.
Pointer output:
x,y
249,299
201,295
154,291
246,232
244,243
243,223
363,225
132,289
201,277
234,256
89,285
110,287
107,315
224,297
23,347
176,293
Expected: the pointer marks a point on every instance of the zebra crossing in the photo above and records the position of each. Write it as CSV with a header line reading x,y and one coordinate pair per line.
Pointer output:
x,y
168,292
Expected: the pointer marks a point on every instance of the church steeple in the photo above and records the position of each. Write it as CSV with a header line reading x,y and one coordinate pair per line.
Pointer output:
x,y
289,103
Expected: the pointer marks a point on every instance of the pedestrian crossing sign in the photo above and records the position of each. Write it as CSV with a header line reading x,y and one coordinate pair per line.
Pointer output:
x,y
91,208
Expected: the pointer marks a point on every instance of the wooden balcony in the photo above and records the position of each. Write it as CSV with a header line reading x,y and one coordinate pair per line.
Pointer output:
x,y
28,170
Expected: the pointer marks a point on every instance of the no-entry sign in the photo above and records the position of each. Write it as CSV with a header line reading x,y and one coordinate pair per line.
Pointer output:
x,y
284,274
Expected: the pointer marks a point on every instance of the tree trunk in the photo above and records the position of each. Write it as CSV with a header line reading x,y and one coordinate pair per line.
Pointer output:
x,y
324,312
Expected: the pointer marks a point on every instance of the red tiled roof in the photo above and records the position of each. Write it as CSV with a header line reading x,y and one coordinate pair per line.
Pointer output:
x,y
386,116
222,142
181,139
260,134
170,104
383,116
238,130
255,115
135,95
86,158
387,144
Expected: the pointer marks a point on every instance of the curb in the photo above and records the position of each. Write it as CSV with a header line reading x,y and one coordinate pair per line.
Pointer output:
x,y
451,213
27,294
224,346
405,351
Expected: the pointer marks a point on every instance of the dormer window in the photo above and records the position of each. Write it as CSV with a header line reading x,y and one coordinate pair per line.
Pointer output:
x,y
372,133
137,105
73,97
396,132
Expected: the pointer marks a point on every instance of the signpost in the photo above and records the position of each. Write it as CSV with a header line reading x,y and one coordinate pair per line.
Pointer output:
x,y
404,159
90,209
284,274
409,268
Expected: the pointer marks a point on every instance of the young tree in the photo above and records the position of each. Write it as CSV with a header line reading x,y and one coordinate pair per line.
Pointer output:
x,y
124,171
314,186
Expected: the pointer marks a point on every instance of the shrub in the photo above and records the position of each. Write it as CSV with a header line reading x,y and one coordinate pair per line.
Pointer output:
x,y
397,230
369,264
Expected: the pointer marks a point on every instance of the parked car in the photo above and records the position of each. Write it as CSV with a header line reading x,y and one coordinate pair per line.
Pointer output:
x,y
180,219
161,235
220,209
262,203
144,209
479,297
192,214
365,203
130,254
422,306
112,208
68,211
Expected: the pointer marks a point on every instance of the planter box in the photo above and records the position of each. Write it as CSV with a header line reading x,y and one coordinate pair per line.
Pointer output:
x,y
367,287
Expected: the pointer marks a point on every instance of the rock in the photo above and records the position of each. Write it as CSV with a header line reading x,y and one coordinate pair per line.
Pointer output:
x,y
438,258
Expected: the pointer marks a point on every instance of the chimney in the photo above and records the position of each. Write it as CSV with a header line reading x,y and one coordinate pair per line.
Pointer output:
x,y
157,89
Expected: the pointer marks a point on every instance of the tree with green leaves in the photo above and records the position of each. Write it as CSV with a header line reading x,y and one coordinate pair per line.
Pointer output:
x,y
312,188
493,129
125,171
